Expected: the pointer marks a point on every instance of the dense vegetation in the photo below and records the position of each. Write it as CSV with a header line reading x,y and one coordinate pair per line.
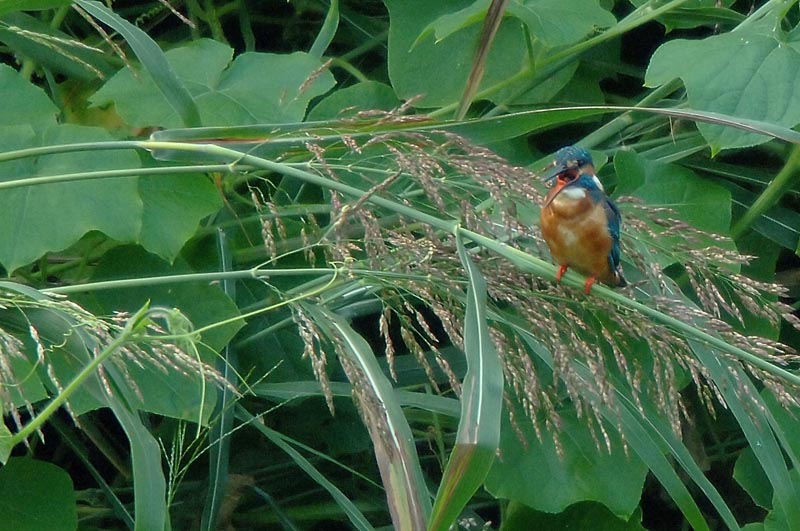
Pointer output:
x,y
277,265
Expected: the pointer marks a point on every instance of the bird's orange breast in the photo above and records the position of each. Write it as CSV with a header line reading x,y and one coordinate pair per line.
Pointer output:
x,y
576,231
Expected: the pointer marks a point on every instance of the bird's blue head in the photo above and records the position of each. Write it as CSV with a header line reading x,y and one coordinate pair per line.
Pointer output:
x,y
570,159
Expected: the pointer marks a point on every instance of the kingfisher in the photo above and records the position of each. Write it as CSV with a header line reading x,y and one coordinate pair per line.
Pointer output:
x,y
579,222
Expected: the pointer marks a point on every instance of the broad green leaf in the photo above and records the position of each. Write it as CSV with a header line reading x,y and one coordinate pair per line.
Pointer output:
x,y
481,407
539,478
52,217
437,71
584,515
747,74
23,104
36,495
173,206
553,22
750,476
449,23
561,22
153,60
225,93
698,201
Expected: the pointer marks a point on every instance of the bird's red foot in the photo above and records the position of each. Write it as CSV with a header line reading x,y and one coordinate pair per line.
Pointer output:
x,y
587,287
561,270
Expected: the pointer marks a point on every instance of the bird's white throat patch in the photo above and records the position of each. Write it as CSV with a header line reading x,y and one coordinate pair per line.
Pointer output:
x,y
573,192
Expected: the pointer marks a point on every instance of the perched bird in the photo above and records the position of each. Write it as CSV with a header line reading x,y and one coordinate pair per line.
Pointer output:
x,y
579,222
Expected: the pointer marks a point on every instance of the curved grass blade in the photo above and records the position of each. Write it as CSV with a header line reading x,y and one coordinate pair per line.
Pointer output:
x,y
295,390
271,140
153,60
481,407
149,485
358,520
219,454
395,452
327,32
756,426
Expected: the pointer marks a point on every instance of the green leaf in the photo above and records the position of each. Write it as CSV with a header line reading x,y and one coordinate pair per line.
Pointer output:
x,y
584,515
300,389
748,473
23,103
481,407
327,32
449,23
220,453
153,60
561,22
226,93
173,206
698,201
6,444
52,217
539,478
417,69
553,22
35,495
747,74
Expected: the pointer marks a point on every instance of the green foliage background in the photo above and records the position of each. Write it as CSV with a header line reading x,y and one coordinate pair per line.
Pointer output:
x,y
259,277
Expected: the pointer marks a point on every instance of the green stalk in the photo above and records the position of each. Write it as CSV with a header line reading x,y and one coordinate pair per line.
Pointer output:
x,y
786,178
109,174
535,265
188,277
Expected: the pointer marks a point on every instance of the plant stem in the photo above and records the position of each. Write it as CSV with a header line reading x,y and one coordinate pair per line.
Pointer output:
x,y
190,277
786,178
123,337
452,226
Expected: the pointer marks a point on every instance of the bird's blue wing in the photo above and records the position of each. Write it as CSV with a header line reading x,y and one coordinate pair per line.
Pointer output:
x,y
614,218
